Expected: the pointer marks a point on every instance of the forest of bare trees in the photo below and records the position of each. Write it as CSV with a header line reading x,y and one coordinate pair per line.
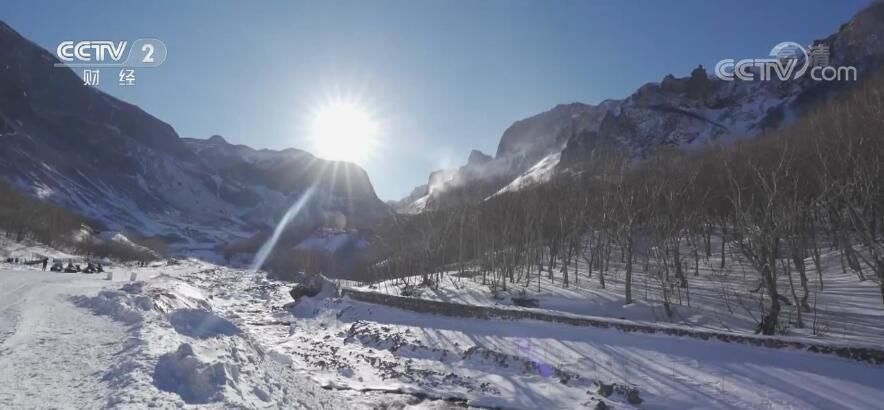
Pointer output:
x,y
779,200
23,217
26,218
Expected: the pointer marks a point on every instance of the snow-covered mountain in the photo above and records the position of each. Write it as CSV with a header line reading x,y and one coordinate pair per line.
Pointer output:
x,y
690,113
111,161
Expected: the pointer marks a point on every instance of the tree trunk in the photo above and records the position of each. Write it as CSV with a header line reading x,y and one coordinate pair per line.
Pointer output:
x,y
723,242
628,257
768,325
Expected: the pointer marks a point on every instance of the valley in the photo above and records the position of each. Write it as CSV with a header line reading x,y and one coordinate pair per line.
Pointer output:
x,y
700,242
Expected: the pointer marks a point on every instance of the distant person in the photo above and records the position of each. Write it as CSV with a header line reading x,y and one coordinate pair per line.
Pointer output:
x,y
45,263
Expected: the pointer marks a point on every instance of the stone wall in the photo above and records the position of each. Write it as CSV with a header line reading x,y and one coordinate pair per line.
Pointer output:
x,y
863,354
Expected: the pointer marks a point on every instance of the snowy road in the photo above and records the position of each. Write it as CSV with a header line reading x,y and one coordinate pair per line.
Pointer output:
x,y
52,353
76,341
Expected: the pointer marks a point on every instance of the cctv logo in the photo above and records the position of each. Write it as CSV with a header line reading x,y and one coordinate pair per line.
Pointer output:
x,y
91,51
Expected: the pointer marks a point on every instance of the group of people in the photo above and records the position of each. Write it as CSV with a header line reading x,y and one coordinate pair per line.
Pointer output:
x,y
21,261
58,266
71,268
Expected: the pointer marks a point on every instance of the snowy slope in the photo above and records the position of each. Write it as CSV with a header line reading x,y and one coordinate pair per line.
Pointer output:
x,y
846,308
539,173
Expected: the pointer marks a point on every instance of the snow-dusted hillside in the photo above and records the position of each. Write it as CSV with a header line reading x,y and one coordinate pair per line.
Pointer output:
x,y
112,162
539,173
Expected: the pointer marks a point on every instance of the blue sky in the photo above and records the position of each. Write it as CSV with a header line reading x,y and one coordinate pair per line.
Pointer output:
x,y
443,77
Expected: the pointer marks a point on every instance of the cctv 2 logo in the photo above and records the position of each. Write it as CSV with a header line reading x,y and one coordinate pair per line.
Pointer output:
x,y
144,52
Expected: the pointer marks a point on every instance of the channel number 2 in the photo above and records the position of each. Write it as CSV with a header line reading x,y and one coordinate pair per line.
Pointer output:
x,y
148,50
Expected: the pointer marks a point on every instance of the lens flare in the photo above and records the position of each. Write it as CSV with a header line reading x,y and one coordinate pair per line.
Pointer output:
x,y
268,246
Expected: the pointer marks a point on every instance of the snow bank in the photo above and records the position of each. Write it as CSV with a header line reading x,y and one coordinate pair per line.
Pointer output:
x,y
183,373
182,350
119,305
201,324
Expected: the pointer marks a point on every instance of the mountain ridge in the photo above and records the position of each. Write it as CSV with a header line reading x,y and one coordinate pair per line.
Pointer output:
x,y
689,112
113,162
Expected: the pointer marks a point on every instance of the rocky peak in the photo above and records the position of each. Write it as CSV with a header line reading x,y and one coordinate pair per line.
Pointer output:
x,y
217,139
478,158
698,84
530,140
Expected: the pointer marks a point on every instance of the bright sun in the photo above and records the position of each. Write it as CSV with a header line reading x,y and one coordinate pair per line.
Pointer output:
x,y
344,132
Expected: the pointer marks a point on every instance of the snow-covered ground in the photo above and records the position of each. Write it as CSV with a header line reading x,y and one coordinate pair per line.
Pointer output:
x,y
847,310
200,335
52,354
347,344
80,341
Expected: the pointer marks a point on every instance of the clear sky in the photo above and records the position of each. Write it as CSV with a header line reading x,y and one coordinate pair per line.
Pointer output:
x,y
443,77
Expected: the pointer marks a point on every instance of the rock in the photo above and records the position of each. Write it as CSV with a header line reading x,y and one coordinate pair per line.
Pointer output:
x,y
478,158
299,291
310,287
604,390
524,301
698,84
600,405
632,397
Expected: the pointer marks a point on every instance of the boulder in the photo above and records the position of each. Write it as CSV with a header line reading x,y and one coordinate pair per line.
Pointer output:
x,y
603,389
632,397
311,286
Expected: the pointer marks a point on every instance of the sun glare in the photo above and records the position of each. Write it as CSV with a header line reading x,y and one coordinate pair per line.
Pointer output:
x,y
344,132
